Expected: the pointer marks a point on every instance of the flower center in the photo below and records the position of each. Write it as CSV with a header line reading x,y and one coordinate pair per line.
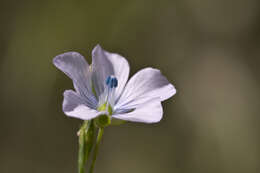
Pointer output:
x,y
107,99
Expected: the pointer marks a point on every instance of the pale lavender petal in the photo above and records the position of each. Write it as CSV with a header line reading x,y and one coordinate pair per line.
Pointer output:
x,y
105,64
101,68
121,71
75,106
149,112
75,66
147,84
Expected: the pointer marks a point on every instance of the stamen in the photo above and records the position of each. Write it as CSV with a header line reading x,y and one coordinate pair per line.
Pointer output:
x,y
111,82
115,82
108,97
108,80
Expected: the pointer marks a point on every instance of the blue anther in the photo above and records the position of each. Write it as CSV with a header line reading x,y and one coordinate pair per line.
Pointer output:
x,y
115,83
108,80
112,82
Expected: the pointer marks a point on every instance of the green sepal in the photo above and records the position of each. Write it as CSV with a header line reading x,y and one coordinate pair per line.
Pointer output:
x,y
103,121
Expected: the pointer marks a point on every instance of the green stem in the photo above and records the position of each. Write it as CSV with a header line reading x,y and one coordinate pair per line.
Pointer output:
x,y
86,140
81,154
89,139
99,137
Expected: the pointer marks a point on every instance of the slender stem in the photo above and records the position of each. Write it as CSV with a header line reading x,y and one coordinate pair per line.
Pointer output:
x,y
86,141
81,155
99,137
89,139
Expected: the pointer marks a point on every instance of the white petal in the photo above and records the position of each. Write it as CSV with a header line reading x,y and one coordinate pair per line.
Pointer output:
x,y
105,64
75,66
75,106
149,112
147,84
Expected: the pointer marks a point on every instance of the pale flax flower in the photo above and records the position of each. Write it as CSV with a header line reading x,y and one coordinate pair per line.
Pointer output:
x,y
102,88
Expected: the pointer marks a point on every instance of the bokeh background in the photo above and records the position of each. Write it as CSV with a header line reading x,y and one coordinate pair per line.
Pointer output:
x,y
209,49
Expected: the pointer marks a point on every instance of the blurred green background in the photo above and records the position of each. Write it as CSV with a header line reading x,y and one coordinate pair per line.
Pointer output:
x,y
209,49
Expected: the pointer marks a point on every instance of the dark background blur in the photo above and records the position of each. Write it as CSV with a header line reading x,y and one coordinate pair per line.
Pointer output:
x,y
209,49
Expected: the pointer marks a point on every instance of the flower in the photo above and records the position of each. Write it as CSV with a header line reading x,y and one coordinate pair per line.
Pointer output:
x,y
102,88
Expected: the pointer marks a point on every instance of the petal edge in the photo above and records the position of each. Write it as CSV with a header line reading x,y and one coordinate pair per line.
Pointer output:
x,y
75,106
150,112
147,84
